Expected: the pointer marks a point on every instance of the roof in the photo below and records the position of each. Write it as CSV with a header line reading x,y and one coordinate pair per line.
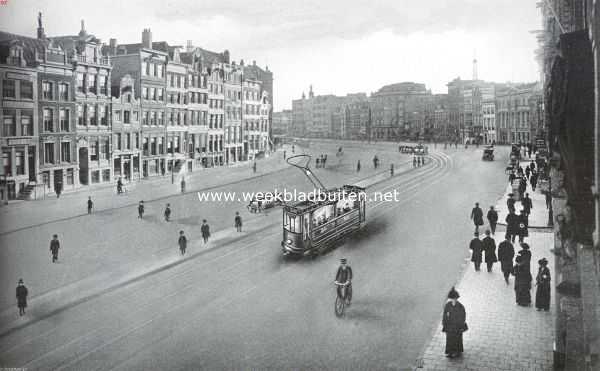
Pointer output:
x,y
30,45
207,56
162,46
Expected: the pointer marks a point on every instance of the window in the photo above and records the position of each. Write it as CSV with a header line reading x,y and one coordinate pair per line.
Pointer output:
x,y
148,69
20,162
171,117
26,89
153,118
126,117
145,146
80,79
160,71
70,177
176,140
153,146
6,163
137,140
152,94
171,80
63,115
144,66
117,116
178,81
95,176
94,150
104,149
160,146
91,114
145,118
160,94
47,90
48,153
161,118
47,117
80,115
65,152
8,89
155,68
26,123
63,92
128,141
118,141
145,93
9,123
102,85
136,116
103,115
106,175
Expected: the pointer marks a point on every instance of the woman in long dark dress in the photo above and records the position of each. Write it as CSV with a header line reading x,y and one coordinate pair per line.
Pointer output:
x,y
542,292
454,324
522,282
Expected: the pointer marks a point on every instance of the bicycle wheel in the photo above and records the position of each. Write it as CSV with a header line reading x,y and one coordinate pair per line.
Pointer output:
x,y
339,306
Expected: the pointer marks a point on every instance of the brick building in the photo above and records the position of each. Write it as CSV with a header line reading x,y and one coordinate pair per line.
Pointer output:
x,y
126,130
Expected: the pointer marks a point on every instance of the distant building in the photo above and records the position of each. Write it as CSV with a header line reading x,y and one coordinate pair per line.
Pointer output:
x,y
514,113
282,122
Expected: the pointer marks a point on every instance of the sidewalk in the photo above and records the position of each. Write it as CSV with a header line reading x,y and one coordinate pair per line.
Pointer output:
x,y
502,335
539,214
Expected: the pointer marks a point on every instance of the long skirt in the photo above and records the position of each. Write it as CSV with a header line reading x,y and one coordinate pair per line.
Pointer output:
x,y
454,342
523,294
542,296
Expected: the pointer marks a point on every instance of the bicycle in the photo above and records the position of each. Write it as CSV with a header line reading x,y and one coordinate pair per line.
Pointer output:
x,y
341,302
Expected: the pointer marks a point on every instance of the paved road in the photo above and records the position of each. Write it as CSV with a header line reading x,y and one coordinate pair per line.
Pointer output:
x,y
242,306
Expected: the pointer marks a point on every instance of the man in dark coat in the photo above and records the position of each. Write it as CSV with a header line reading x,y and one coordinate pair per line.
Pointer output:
x,y
542,291
527,204
205,229
182,242
489,246
90,204
477,216
533,180
358,166
548,200
506,253
58,189
238,222
119,186
522,282
167,212
54,246
141,209
532,166
510,202
523,227
492,217
527,171
512,225
477,248
21,297
454,324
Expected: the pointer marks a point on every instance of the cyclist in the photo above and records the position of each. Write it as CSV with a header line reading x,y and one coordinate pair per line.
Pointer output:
x,y
343,275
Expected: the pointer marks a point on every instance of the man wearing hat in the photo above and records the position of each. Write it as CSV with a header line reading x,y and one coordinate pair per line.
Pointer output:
x,y
477,216
21,297
476,248
344,275
54,246
205,230
182,242
492,217
454,324
141,210
542,291
512,225
489,246
167,212
506,253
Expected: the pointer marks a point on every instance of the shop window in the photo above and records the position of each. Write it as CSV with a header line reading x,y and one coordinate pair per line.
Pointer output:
x,y
106,175
8,123
70,177
95,176
26,89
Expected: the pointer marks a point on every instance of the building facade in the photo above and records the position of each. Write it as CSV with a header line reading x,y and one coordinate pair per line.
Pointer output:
x,y
126,131
282,123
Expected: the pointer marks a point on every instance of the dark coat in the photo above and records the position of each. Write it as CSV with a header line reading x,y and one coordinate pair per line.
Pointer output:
x,y
205,229
182,242
523,226
492,216
238,221
54,246
512,223
477,216
21,296
510,202
90,204
489,246
543,289
168,212
454,324
343,275
477,247
527,204
506,251
141,209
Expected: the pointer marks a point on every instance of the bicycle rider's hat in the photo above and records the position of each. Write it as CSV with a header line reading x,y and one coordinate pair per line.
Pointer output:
x,y
343,260
453,294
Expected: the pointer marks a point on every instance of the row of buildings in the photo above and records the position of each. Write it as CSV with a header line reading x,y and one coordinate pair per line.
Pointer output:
x,y
472,109
78,112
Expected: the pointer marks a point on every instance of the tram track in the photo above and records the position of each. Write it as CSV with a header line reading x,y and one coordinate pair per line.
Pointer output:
x,y
143,301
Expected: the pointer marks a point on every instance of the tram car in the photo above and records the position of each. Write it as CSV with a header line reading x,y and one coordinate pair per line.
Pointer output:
x,y
310,227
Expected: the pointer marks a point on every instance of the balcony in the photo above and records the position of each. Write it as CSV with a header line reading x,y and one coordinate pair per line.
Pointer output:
x,y
103,61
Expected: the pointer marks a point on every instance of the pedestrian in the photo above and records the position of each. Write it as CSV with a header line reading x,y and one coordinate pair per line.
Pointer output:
x,y
414,161
532,166
391,169
492,217
522,282
476,251
21,293
542,291
238,222
525,252
489,247
119,186
141,209
522,187
205,229
454,324
182,185
254,167
324,160
527,171
317,162
58,188
54,246
182,242
548,200
533,180
167,212
358,166
512,225
375,160
523,230
284,154
511,177
506,253
510,202
90,204
477,216
527,204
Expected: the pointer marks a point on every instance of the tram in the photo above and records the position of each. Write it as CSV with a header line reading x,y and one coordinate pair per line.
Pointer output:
x,y
312,226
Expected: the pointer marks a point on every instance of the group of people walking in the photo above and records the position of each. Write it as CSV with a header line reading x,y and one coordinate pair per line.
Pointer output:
x,y
321,161
418,161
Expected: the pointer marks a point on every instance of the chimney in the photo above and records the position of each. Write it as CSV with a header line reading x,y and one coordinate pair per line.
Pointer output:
x,y
189,46
112,46
40,30
147,38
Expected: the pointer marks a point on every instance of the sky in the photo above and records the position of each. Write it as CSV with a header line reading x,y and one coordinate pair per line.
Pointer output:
x,y
337,46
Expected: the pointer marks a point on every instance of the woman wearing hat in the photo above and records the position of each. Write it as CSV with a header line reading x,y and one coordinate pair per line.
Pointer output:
x,y
21,297
522,281
542,292
454,324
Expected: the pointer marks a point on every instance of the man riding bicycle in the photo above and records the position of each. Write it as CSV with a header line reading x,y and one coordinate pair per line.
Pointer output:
x,y
343,276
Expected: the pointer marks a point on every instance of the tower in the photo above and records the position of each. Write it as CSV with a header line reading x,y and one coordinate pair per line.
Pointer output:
x,y
310,93
40,30
474,67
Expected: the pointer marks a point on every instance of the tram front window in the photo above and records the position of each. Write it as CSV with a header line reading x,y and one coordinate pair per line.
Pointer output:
x,y
291,222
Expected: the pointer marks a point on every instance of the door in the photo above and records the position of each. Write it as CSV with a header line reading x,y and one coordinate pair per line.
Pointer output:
x,y
32,169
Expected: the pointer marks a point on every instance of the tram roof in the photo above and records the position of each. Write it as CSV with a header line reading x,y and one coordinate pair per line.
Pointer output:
x,y
308,205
